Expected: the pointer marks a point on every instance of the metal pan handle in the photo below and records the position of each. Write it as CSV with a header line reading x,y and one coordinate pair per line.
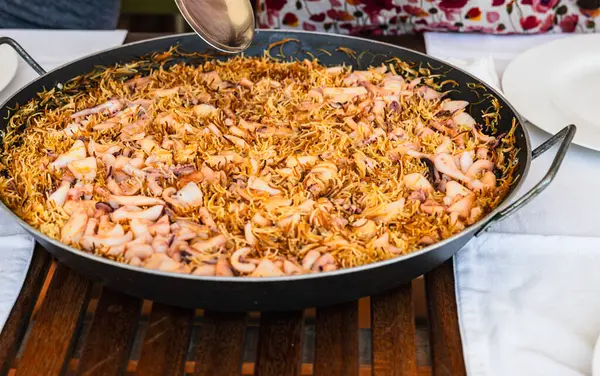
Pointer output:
x,y
565,136
28,59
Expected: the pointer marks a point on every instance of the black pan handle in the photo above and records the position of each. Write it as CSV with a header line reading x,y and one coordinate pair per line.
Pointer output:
x,y
27,57
565,136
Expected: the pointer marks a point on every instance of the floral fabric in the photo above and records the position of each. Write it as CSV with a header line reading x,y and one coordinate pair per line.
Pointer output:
x,y
390,17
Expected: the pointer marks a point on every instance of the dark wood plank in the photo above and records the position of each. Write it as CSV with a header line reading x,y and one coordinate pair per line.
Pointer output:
x,y
446,344
166,342
336,344
49,345
18,320
393,326
221,344
279,344
108,343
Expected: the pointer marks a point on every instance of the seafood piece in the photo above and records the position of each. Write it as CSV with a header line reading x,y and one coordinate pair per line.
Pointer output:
x,y
453,106
416,181
60,195
77,152
210,244
343,94
111,106
161,227
266,268
223,268
73,230
204,110
238,264
162,262
132,212
135,200
262,186
190,195
364,228
388,212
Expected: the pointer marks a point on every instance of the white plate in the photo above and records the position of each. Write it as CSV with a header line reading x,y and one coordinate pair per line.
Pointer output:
x,y
558,83
596,359
8,65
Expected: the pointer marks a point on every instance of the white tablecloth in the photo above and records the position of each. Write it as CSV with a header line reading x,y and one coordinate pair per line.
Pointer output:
x,y
528,292
50,48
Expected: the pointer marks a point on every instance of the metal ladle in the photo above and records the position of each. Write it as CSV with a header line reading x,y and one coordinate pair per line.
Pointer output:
x,y
227,25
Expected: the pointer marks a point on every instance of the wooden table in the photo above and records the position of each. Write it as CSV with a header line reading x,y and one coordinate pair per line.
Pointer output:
x,y
64,324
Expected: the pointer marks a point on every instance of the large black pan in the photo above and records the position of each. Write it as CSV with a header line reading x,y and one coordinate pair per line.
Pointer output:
x,y
295,292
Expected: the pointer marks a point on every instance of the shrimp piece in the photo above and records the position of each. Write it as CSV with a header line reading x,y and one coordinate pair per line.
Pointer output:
x,y
60,195
237,263
131,212
260,185
74,229
111,106
343,94
190,195
77,152
416,181
310,258
266,268
204,110
210,244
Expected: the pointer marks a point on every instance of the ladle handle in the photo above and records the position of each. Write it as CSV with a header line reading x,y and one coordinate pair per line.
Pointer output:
x,y
27,57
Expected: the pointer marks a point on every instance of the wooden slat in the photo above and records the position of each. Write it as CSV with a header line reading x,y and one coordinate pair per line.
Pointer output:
x,y
336,345
108,343
221,344
54,331
394,348
18,320
279,344
446,345
166,342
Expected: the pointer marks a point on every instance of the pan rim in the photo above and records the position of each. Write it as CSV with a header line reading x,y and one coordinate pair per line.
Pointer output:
x,y
293,278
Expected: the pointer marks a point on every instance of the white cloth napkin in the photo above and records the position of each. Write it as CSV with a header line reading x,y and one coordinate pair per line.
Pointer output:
x,y
528,291
50,48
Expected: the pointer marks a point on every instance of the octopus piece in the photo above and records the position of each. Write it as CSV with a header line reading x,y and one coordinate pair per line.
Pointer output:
x,y
478,166
132,212
237,263
77,152
111,106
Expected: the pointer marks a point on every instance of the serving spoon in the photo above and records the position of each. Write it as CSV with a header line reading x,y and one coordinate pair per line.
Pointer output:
x,y
227,25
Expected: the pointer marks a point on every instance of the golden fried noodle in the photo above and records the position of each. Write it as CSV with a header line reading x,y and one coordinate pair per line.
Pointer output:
x,y
252,166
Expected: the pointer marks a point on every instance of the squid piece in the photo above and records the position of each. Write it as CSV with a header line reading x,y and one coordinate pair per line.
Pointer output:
x,y
210,244
364,228
266,268
478,166
60,195
204,110
389,212
262,186
343,94
239,265
77,152
111,106
444,163
453,106
190,195
132,212
84,169
416,181
73,230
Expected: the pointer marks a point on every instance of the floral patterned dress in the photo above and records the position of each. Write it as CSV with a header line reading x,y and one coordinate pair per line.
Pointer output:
x,y
390,17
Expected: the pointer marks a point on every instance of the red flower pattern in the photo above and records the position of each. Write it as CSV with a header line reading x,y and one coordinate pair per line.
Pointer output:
x,y
377,17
